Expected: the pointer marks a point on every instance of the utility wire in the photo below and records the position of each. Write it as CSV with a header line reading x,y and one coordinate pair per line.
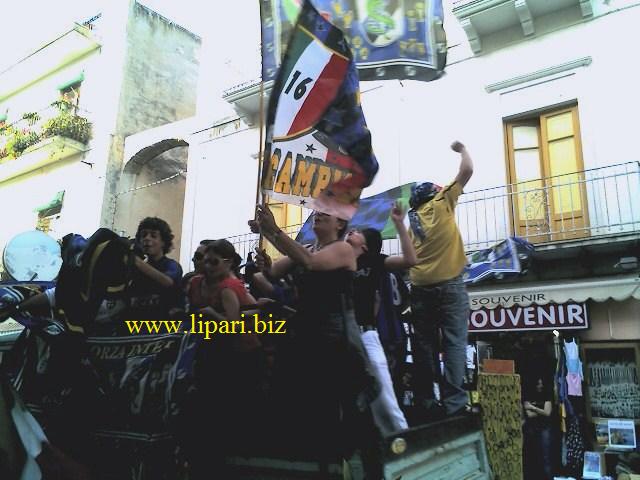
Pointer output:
x,y
157,182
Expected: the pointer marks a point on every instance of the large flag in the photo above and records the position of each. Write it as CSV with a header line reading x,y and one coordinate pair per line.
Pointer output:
x,y
318,153
373,213
389,38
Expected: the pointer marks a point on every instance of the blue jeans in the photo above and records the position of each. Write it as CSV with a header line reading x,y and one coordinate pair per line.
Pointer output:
x,y
440,309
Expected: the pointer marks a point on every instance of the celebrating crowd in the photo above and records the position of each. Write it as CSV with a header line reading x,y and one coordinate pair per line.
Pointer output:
x,y
328,387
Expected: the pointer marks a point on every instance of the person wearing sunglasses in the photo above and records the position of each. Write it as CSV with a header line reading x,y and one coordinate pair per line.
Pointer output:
x,y
216,290
198,256
229,368
198,262
326,363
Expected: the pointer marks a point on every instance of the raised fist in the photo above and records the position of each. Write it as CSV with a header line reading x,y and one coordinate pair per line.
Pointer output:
x,y
457,146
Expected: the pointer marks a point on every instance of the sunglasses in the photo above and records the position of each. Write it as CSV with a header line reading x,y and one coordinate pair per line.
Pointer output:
x,y
215,261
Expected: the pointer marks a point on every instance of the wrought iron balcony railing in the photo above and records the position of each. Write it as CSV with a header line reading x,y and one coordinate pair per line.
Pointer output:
x,y
247,242
588,204
591,203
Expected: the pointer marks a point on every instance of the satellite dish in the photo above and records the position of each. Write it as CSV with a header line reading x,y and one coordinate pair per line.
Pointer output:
x,y
32,256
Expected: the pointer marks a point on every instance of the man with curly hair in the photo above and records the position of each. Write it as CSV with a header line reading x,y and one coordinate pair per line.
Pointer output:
x,y
156,281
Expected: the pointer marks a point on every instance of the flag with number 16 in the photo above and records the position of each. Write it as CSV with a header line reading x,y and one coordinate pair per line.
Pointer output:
x,y
318,148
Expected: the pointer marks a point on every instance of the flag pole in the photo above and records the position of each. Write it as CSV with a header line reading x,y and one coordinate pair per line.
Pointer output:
x,y
261,128
260,149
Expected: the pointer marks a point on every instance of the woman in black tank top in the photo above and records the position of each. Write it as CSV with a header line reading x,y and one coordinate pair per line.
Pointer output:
x,y
326,364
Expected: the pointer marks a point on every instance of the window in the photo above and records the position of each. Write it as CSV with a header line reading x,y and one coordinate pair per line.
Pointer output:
x,y
546,176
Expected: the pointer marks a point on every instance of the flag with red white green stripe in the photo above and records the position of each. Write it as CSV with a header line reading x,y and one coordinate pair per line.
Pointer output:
x,y
307,97
318,150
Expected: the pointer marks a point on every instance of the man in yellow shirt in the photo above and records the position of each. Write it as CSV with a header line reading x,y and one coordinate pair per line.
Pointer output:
x,y
439,300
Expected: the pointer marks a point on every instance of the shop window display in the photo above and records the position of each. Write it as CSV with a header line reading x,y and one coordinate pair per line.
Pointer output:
x,y
613,383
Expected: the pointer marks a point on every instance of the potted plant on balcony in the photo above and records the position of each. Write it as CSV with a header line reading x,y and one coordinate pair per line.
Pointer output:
x,y
5,131
19,141
66,124
20,138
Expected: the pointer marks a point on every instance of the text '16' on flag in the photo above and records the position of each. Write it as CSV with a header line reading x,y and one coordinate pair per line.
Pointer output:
x,y
318,151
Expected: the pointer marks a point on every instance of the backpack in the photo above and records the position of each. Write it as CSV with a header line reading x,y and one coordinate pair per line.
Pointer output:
x,y
92,269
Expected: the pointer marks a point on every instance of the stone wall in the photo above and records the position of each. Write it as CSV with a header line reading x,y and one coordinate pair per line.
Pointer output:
x,y
159,87
161,72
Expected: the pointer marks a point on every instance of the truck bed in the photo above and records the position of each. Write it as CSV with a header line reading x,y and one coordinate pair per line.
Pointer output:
x,y
451,449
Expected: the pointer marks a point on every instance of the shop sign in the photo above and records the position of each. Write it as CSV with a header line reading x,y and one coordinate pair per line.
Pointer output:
x,y
552,316
501,300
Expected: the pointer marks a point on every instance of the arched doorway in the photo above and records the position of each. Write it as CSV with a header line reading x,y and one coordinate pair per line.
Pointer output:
x,y
153,185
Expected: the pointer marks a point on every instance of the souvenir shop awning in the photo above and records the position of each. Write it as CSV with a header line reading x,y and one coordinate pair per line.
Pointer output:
x,y
599,289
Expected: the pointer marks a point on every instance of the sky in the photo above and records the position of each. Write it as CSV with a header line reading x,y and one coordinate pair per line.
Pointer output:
x,y
24,31
230,32
234,25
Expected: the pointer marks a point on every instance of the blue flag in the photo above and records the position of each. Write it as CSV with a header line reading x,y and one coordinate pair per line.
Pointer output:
x,y
389,38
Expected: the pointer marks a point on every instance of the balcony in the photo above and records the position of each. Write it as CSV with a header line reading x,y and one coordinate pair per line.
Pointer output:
x,y
591,205
42,138
64,50
481,18
600,205
245,99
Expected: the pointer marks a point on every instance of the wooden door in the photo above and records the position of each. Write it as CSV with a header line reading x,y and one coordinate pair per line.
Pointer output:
x,y
547,190
562,157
